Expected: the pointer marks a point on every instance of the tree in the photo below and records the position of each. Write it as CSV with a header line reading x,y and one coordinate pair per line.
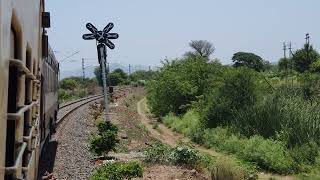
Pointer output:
x,y
115,79
179,83
283,64
122,74
201,48
141,75
98,74
315,66
68,84
303,58
249,60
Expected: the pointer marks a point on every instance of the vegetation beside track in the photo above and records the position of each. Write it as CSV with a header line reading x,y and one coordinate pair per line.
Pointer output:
x,y
74,88
264,116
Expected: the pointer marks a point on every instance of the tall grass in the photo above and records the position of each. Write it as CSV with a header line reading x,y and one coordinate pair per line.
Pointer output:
x,y
184,125
284,115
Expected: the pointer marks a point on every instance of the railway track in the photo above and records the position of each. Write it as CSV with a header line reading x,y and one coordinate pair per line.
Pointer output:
x,y
68,108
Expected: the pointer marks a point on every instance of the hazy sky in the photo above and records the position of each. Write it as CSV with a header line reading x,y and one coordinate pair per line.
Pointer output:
x,y
152,30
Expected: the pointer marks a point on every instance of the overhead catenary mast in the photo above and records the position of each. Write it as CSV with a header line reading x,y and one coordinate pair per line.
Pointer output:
x,y
285,59
83,70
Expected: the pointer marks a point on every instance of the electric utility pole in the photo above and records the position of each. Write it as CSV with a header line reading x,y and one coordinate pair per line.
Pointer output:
x,y
83,70
103,39
285,59
308,46
291,62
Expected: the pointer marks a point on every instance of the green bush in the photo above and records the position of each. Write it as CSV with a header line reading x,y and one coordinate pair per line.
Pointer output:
x,y
106,140
64,95
305,155
233,144
157,153
180,155
238,90
178,84
104,126
104,143
68,84
169,119
187,156
268,154
226,168
118,171
189,125
215,137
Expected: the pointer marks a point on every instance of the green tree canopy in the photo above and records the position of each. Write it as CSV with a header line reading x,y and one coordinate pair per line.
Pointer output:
x,y
141,75
116,77
179,83
303,58
283,64
122,74
98,74
315,66
68,84
249,60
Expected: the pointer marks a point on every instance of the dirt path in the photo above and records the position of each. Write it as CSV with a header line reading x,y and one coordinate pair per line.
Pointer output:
x,y
165,135
135,138
169,137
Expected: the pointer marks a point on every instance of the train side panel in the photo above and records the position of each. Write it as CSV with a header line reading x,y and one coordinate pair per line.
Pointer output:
x,y
20,61
49,96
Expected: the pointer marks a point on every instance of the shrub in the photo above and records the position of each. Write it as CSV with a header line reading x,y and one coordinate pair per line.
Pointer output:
x,y
157,153
106,140
225,168
64,95
180,155
238,90
184,156
305,154
215,137
268,154
178,83
189,125
104,143
118,171
104,126
169,119
68,84
233,144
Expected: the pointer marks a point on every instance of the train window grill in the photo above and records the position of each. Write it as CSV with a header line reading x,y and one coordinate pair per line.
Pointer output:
x,y
22,112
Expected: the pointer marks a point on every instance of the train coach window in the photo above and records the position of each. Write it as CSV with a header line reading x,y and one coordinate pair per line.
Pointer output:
x,y
28,94
12,105
28,82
